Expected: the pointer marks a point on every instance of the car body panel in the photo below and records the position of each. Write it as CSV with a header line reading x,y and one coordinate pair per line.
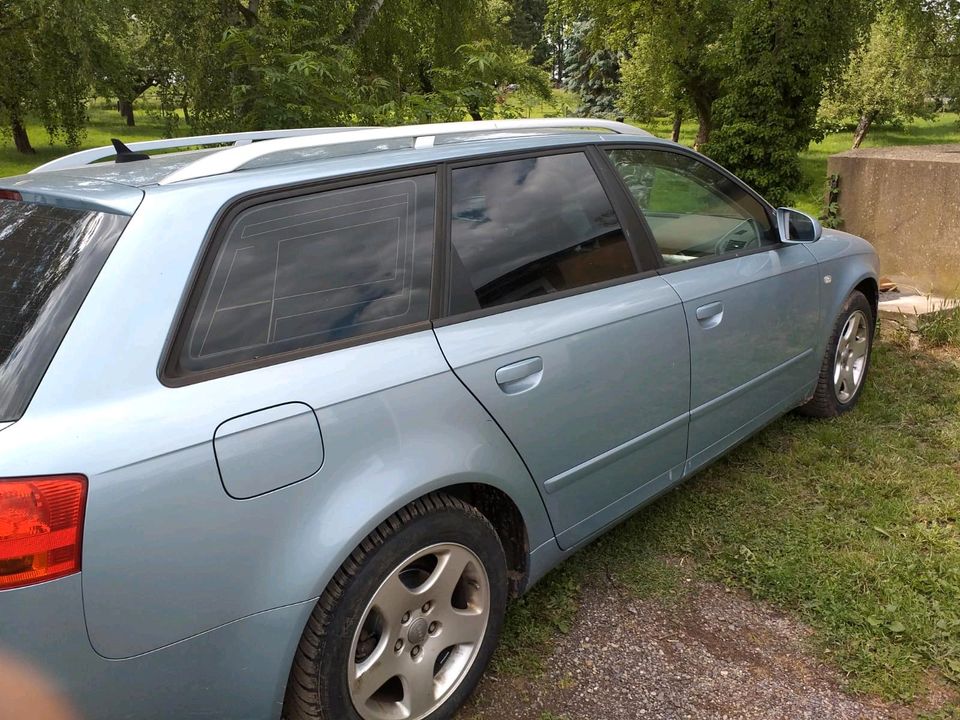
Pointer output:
x,y
190,550
754,347
848,261
237,671
85,194
268,449
618,400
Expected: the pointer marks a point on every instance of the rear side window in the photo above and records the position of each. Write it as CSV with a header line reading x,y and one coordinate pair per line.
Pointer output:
x,y
303,272
49,258
526,228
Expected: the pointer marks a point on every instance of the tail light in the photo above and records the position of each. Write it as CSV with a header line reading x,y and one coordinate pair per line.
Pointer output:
x,y
10,195
41,521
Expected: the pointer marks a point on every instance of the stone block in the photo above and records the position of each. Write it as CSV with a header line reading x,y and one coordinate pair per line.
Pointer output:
x,y
906,201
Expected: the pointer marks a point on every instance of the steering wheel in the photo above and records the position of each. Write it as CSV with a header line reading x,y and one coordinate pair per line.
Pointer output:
x,y
723,245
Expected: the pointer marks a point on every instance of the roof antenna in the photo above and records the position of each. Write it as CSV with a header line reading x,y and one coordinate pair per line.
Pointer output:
x,y
125,154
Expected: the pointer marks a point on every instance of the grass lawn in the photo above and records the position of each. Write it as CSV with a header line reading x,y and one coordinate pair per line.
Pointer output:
x,y
851,523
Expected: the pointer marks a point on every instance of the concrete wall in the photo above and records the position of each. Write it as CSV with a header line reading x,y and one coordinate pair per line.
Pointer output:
x,y
906,201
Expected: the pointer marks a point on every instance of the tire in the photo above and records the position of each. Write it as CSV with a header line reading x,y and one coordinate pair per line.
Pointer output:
x,y
373,619
842,377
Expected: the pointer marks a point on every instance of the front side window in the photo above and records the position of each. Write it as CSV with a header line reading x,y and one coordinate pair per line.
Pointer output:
x,y
311,270
693,211
521,229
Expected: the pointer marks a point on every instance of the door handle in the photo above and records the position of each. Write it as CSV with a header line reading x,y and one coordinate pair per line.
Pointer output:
x,y
520,376
709,316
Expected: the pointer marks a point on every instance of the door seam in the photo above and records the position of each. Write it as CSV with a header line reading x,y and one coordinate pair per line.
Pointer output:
x,y
502,432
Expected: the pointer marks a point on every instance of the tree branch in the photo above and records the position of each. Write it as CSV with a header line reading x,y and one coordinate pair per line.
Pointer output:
x,y
361,21
250,13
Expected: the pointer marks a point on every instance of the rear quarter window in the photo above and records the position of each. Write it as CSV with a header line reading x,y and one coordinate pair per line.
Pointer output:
x,y
310,271
49,258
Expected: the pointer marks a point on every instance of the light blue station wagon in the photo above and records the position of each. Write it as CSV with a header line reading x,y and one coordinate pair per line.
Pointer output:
x,y
286,420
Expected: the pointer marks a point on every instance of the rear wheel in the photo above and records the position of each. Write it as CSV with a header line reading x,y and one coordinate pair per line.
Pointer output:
x,y
407,626
846,361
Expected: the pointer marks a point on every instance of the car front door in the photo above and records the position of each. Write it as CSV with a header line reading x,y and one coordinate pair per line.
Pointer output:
x,y
751,302
559,325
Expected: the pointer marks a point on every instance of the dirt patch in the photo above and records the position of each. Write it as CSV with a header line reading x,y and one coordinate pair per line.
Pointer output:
x,y
714,654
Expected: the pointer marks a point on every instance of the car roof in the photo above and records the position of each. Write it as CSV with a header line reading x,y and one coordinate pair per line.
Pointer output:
x,y
115,185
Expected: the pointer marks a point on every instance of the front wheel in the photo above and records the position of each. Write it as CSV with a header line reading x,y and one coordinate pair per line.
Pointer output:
x,y
407,626
846,361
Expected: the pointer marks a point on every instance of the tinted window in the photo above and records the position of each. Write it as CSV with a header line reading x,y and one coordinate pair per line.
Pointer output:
x,y
49,257
692,210
531,227
302,272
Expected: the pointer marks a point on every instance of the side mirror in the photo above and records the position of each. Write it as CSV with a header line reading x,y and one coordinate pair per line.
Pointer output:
x,y
797,227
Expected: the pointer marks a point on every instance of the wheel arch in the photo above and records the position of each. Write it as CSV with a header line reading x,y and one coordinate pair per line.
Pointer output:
x,y
841,277
871,290
502,512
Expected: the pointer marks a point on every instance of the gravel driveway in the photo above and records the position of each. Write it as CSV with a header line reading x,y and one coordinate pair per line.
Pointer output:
x,y
712,654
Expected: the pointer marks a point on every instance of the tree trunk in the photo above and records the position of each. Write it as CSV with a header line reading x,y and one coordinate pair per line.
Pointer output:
x,y
20,138
361,21
705,120
866,120
185,104
561,70
126,110
475,113
677,123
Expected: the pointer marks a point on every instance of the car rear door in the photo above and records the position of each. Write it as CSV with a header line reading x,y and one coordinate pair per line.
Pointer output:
x,y
751,302
558,325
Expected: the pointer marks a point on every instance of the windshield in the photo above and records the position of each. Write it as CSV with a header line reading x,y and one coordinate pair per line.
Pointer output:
x,y
49,257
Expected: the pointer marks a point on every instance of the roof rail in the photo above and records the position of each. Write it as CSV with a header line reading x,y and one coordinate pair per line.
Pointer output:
x,y
86,157
422,136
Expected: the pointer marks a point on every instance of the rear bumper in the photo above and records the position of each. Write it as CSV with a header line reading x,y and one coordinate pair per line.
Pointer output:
x,y
237,671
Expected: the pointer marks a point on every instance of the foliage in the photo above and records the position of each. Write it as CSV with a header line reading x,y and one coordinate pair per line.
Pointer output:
x,y
885,80
526,21
289,63
830,217
593,74
650,87
677,51
787,51
487,69
752,70
48,53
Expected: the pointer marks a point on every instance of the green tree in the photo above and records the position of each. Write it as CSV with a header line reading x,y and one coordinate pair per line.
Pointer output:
x,y
592,73
287,63
684,43
650,87
49,53
128,66
786,52
885,80
527,23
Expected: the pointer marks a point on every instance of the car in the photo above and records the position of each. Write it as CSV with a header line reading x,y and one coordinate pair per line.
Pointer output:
x,y
286,420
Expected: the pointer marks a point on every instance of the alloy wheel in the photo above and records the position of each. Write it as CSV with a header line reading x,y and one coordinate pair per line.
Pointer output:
x,y
850,361
420,634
